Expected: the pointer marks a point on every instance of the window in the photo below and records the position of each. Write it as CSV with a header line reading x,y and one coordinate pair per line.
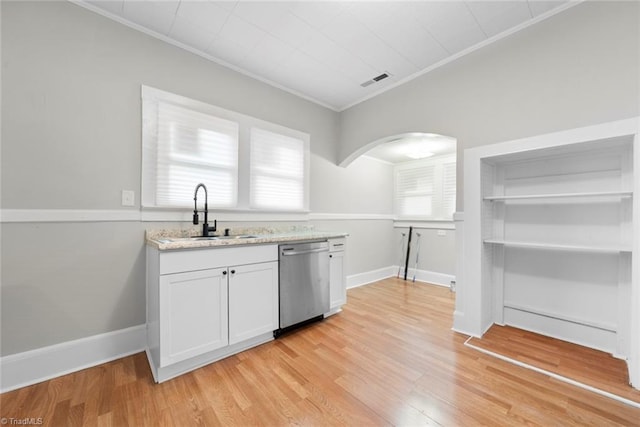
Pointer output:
x,y
277,171
185,142
193,148
414,191
426,189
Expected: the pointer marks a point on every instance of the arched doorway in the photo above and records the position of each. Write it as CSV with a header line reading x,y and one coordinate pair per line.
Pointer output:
x,y
424,198
405,147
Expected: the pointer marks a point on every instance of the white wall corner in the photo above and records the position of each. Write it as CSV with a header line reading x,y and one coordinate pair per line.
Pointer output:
x,y
34,366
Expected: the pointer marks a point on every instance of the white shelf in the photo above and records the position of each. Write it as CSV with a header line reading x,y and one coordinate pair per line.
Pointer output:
x,y
605,326
559,247
593,194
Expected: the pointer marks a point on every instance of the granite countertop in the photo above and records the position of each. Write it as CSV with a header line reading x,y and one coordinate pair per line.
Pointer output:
x,y
176,239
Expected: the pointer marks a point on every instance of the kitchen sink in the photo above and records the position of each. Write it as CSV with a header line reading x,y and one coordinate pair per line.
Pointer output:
x,y
200,238
244,236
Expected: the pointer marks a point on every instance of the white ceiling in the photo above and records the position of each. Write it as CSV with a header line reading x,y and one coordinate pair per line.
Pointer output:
x,y
325,50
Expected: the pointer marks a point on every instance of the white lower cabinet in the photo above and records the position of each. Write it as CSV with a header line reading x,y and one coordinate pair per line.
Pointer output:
x,y
337,277
253,300
204,305
193,314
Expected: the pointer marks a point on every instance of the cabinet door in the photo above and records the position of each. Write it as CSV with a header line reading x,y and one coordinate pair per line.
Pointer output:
x,y
253,300
337,283
193,314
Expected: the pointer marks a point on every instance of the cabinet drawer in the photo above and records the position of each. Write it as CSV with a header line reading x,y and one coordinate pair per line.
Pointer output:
x,y
338,244
201,259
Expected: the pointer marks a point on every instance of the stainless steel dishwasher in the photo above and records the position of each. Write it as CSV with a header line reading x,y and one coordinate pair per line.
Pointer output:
x,y
304,283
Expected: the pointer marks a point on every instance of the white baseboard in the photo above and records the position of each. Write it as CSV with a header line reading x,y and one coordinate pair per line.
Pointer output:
x,y
34,366
432,277
426,276
359,279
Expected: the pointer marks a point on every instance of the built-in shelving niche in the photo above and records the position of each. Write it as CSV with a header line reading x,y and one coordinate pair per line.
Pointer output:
x,y
557,229
554,226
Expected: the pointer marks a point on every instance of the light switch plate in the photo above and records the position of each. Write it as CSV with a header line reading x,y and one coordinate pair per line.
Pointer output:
x,y
128,198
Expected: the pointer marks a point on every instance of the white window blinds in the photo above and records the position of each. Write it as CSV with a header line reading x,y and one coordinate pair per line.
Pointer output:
x,y
426,189
246,163
415,190
183,147
277,171
449,189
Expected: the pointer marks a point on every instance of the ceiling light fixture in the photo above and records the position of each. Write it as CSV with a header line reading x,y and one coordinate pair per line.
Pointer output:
x,y
417,153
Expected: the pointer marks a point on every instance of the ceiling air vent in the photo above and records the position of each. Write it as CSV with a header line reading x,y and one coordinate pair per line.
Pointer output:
x,y
381,77
375,79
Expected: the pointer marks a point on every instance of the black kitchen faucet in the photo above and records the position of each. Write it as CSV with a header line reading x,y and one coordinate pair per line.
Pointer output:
x,y
205,227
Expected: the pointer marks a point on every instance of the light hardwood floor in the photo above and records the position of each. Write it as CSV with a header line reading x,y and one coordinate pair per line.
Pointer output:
x,y
390,358
588,366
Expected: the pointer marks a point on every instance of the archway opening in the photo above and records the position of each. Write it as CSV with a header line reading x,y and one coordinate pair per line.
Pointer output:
x,y
412,146
405,147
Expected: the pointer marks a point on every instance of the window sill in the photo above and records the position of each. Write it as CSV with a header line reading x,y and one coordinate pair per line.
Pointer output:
x,y
440,224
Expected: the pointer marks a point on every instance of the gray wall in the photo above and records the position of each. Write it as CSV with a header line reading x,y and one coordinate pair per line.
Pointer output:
x,y
71,140
437,253
577,68
66,281
366,186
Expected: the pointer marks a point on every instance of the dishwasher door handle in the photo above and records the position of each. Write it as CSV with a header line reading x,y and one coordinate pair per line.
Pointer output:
x,y
288,252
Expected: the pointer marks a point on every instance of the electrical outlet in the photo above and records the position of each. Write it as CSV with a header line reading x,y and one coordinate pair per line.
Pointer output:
x,y
128,198
442,233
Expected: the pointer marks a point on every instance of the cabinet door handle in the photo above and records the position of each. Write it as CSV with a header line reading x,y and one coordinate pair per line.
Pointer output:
x,y
224,273
233,272
330,256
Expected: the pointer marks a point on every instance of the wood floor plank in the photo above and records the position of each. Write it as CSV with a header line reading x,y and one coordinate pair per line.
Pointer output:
x,y
389,358
586,365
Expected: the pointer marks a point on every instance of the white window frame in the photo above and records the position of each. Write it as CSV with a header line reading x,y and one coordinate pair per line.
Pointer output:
x,y
438,193
246,123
